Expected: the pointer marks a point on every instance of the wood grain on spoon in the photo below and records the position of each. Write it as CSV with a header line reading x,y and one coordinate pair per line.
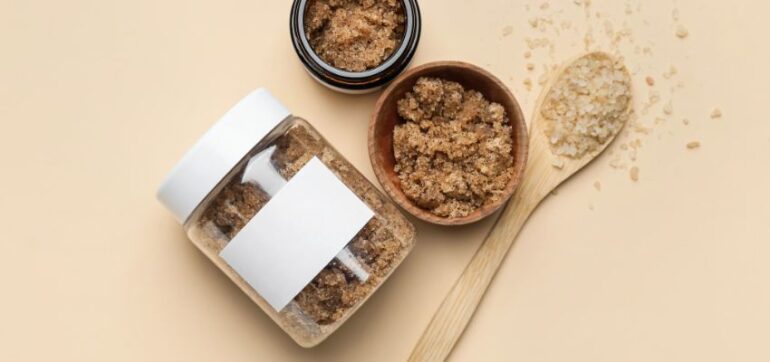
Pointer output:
x,y
540,178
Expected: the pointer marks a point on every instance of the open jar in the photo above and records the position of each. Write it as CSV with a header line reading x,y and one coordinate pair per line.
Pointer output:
x,y
355,46
292,223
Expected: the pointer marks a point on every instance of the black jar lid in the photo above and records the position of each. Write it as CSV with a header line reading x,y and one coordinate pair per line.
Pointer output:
x,y
356,82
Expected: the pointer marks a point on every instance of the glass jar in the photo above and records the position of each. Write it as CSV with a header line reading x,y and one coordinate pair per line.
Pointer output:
x,y
356,82
286,217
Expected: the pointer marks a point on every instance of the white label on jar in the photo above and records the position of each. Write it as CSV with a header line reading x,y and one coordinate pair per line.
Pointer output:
x,y
296,234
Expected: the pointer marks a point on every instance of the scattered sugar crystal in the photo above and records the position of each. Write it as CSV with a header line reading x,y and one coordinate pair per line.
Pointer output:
x,y
650,81
668,109
616,163
543,79
598,186
634,173
681,31
534,43
672,71
528,84
508,30
654,97
693,145
716,113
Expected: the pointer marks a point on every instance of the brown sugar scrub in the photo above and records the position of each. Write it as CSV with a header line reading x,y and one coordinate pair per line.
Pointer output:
x,y
350,278
354,35
453,151
587,105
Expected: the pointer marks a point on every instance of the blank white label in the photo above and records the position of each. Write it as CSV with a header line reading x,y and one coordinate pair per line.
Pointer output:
x,y
298,232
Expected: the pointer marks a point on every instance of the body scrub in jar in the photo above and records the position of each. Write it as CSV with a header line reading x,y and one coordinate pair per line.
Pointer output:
x,y
286,217
355,46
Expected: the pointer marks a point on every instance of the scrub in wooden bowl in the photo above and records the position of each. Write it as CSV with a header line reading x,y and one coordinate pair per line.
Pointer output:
x,y
453,150
448,143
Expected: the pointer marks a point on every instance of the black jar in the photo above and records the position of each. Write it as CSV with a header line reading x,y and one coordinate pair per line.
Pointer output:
x,y
356,82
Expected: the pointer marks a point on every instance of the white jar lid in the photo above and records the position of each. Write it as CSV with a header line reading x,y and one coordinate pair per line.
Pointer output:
x,y
218,151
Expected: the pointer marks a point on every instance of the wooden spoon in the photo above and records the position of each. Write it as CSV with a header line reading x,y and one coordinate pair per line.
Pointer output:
x,y
540,178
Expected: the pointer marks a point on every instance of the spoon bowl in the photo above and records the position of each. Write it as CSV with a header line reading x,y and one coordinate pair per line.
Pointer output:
x,y
542,155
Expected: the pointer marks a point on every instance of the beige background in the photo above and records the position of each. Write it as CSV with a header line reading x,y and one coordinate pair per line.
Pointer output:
x,y
99,98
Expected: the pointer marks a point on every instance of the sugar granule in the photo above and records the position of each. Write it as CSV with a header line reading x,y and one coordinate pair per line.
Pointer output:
x,y
650,81
634,173
681,31
668,109
528,84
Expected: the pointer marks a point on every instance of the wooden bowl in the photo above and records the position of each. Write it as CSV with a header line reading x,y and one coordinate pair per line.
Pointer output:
x,y
386,117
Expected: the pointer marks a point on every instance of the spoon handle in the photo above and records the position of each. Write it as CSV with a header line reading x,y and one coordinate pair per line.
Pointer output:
x,y
458,307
